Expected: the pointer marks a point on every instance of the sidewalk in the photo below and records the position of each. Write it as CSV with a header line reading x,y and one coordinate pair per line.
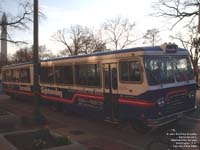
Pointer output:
x,y
92,142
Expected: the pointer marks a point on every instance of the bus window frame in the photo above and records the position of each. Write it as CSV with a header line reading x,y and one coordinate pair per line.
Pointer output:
x,y
140,69
4,77
88,63
48,83
64,65
29,78
16,71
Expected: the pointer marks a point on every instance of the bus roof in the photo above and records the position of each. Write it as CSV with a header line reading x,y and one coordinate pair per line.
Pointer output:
x,y
18,64
136,49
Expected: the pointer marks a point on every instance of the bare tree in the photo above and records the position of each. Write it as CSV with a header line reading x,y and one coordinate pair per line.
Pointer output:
x,y
19,21
152,36
78,40
179,10
22,55
191,42
26,54
120,32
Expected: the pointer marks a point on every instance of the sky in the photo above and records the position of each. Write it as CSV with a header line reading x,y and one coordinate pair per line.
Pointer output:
x,y
64,13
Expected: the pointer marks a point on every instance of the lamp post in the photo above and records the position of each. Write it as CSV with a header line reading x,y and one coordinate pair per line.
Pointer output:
x,y
38,117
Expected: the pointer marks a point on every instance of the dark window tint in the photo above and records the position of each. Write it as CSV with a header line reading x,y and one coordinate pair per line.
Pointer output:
x,y
25,75
46,75
15,75
88,74
7,75
130,71
64,74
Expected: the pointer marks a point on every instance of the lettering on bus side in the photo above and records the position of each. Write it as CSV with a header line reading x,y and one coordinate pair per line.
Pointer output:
x,y
91,92
25,88
45,90
89,103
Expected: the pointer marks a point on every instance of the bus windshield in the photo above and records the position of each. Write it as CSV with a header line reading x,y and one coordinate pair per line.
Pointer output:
x,y
161,70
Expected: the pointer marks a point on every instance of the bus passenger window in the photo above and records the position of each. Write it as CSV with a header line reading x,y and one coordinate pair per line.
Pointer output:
x,y
88,74
130,71
46,75
25,75
15,75
7,76
64,74
135,74
124,71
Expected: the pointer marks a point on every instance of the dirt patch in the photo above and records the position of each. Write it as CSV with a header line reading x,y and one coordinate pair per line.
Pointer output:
x,y
36,140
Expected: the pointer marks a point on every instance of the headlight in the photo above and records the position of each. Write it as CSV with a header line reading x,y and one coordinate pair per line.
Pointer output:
x,y
191,94
161,102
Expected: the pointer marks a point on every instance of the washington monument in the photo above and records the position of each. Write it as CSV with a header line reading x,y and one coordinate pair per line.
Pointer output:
x,y
3,56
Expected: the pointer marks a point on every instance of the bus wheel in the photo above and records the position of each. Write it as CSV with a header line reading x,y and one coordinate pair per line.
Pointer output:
x,y
139,126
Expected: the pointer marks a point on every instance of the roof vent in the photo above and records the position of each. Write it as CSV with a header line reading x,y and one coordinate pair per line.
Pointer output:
x,y
169,48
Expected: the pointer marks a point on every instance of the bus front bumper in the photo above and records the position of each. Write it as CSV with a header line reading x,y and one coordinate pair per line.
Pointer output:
x,y
167,119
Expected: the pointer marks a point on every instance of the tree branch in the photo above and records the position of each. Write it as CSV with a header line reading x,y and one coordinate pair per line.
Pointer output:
x,y
174,9
20,21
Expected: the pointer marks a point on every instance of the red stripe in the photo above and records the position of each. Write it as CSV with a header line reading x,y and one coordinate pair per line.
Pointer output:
x,y
95,97
63,100
134,102
19,92
70,101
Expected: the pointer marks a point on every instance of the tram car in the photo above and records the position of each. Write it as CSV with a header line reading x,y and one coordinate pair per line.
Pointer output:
x,y
146,86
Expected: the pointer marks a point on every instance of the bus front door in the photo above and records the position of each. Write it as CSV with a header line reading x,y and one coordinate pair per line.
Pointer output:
x,y
110,92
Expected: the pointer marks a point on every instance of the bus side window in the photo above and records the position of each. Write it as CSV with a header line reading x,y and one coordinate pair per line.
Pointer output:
x,y
25,75
88,75
47,75
15,76
64,74
124,71
130,71
135,74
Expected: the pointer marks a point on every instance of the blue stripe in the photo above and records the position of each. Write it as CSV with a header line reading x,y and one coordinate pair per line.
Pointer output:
x,y
155,48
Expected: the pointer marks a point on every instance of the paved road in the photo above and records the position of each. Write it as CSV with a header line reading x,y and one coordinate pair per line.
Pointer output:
x,y
90,131
1,88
